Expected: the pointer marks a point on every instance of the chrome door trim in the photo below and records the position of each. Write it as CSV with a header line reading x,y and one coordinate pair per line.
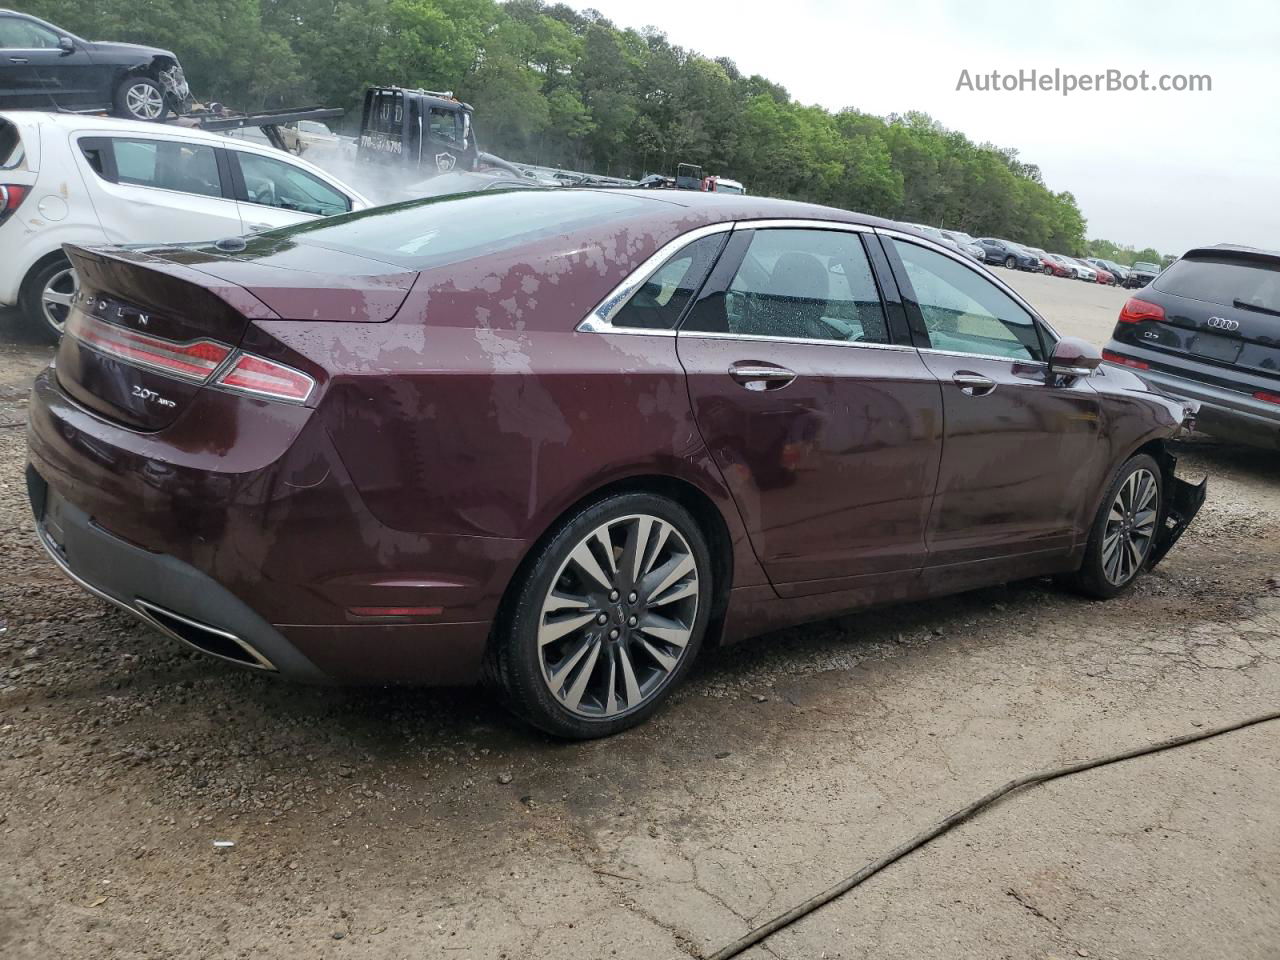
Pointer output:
x,y
755,337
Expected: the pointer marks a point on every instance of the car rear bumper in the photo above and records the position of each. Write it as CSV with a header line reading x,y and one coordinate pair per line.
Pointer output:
x,y
172,596
261,553
1224,413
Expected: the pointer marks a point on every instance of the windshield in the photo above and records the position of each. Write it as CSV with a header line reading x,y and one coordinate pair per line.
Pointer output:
x,y
1150,267
1224,280
427,233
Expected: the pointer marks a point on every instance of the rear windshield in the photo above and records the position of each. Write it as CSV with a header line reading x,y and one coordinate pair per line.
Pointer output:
x,y
11,152
1224,280
426,233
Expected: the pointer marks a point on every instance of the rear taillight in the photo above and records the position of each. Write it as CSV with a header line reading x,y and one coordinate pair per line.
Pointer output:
x,y
1135,311
1110,357
193,361
266,378
11,197
1267,397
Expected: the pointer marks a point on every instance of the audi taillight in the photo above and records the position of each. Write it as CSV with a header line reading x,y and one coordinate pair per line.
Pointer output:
x,y
1135,311
11,197
194,360
1110,357
266,378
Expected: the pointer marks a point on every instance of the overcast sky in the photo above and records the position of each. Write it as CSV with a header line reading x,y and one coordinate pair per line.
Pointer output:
x,y
1172,170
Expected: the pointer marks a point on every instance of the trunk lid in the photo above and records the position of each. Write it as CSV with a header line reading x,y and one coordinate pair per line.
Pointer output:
x,y
151,324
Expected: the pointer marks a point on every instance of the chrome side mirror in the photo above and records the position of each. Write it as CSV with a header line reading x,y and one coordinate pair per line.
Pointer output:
x,y
1073,357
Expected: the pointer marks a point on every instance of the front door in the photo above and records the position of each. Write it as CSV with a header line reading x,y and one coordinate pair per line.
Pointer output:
x,y
1018,448
827,432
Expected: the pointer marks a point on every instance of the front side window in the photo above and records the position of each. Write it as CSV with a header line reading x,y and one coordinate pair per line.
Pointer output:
x,y
166,164
963,311
19,34
445,126
799,285
661,299
275,183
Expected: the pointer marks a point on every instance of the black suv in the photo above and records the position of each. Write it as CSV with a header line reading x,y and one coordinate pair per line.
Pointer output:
x,y
1141,273
43,67
1208,329
1008,254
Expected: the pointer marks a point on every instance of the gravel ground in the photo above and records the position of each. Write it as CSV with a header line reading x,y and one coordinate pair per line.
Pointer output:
x,y
403,823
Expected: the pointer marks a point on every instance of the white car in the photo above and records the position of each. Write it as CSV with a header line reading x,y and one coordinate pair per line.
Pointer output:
x,y
1084,271
66,178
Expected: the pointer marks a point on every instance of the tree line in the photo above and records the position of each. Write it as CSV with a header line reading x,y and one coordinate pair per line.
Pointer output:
x,y
557,86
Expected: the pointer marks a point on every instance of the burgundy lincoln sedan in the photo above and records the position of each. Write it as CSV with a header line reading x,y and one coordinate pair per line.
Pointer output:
x,y
564,439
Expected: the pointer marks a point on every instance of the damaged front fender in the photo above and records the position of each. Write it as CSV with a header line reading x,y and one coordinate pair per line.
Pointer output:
x,y
1182,501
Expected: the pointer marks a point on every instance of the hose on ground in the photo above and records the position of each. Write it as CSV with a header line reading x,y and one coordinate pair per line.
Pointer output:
x,y
959,817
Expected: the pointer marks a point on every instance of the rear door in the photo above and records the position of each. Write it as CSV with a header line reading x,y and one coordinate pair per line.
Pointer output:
x,y
824,423
157,189
273,192
1221,320
1018,444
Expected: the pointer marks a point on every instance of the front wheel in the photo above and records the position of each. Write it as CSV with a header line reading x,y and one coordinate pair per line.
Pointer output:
x,y
1123,531
1010,262
140,98
607,619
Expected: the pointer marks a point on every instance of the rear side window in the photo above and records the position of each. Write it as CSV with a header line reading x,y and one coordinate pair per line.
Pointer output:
x,y
164,164
1228,281
11,151
661,299
275,183
426,233
799,285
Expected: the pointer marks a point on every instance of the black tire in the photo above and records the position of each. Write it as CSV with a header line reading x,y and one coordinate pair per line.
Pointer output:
x,y
1093,579
31,298
141,98
516,664
1010,262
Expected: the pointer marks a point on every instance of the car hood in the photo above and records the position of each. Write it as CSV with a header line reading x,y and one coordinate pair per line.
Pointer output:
x,y
131,49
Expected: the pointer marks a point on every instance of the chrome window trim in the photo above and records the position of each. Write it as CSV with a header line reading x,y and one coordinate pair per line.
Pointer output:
x,y
984,356
800,223
600,320
758,338
980,270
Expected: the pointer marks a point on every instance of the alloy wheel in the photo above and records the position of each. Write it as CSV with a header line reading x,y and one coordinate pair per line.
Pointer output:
x,y
56,297
618,617
144,101
1131,525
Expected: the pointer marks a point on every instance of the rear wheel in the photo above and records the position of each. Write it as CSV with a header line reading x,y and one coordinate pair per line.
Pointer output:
x,y
140,98
46,296
607,619
1123,531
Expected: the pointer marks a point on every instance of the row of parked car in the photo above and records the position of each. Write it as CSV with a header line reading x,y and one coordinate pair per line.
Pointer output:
x,y
1015,256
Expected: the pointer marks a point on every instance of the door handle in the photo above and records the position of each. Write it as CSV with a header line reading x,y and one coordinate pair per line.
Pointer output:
x,y
259,227
973,384
761,376
19,60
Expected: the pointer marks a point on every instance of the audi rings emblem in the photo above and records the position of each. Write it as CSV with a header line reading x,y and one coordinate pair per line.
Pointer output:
x,y
1222,323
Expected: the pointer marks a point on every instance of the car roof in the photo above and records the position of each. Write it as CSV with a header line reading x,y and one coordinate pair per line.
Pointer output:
x,y
740,206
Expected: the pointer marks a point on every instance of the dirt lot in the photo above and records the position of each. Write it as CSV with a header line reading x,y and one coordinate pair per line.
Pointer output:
x,y
425,824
